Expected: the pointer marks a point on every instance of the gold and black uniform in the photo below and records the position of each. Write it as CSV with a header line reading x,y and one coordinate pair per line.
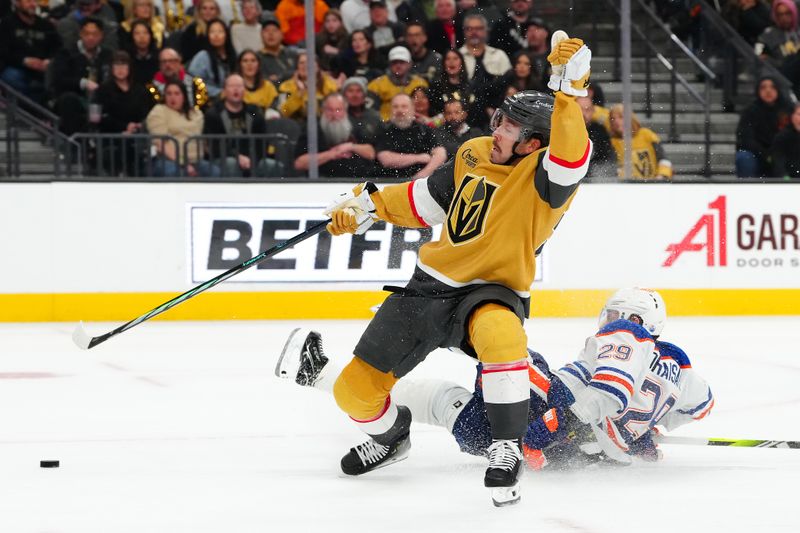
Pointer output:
x,y
646,153
495,218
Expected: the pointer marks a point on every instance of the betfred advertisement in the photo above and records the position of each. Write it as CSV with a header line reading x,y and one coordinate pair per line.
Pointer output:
x,y
223,236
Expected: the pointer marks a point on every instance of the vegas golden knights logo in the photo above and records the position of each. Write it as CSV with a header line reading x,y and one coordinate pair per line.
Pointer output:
x,y
469,209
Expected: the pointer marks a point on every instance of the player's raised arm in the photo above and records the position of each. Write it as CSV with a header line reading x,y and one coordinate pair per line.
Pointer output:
x,y
569,152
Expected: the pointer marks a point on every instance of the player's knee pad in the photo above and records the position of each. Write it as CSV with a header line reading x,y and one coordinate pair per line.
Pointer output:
x,y
361,389
497,335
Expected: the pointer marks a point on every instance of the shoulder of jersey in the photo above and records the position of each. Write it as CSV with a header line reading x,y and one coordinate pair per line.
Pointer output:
x,y
641,334
484,140
650,135
670,350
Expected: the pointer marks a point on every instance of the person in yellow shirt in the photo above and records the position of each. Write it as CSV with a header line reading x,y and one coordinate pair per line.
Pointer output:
x,y
498,201
257,90
649,161
293,93
397,80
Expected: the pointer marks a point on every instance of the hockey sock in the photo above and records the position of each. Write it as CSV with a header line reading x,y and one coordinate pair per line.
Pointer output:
x,y
432,401
327,377
506,392
391,423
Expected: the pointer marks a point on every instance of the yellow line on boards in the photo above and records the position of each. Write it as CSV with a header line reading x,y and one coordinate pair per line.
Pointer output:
x,y
358,304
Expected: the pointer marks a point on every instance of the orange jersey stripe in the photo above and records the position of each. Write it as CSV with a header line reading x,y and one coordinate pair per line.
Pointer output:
x,y
705,411
615,379
537,379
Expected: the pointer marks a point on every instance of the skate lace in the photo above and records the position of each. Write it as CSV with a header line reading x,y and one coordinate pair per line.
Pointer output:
x,y
314,348
371,452
314,359
503,454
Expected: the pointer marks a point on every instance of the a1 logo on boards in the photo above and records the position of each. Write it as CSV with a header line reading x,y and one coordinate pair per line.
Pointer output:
x,y
762,238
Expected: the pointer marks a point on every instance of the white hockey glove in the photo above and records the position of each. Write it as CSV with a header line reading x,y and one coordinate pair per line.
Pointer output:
x,y
352,212
571,64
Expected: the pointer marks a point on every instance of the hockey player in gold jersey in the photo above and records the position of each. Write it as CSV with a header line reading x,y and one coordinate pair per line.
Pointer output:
x,y
499,200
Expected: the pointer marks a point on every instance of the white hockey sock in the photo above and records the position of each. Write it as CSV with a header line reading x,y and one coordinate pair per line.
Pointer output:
x,y
506,391
506,382
380,423
432,401
327,376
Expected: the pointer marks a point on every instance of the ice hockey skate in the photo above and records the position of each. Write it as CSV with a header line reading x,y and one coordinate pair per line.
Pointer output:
x,y
302,358
502,476
381,450
370,455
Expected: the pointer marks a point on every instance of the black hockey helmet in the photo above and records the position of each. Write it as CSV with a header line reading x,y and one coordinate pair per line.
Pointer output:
x,y
531,110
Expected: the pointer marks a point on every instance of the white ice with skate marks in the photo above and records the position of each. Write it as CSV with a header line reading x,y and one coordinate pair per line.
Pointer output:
x,y
180,426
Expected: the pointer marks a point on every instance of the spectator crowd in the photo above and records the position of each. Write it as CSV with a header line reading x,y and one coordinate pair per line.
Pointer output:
x,y
768,133
400,84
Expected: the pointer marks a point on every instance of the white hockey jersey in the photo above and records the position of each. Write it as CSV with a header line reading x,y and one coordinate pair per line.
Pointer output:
x,y
625,383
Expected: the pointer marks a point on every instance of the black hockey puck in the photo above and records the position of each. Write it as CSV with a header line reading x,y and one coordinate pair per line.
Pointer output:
x,y
49,464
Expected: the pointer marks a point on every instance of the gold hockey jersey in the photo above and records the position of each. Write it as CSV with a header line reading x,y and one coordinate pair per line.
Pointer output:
x,y
647,156
495,218
386,90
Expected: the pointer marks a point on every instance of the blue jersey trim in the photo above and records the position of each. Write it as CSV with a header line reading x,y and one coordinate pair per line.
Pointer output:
x,y
698,408
539,361
672,351
608,389
626,325
586,373
575,373
616,370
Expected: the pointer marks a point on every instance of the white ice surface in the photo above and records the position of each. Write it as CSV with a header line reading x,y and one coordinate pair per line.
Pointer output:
x,y
182,426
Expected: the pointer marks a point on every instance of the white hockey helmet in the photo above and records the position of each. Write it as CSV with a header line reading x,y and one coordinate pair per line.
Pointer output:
x,y
642,306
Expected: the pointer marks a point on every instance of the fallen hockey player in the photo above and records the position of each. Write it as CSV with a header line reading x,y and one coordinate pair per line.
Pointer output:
x,y
601,408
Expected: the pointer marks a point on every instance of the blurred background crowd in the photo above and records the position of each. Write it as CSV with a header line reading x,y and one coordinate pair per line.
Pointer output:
x,y
400,84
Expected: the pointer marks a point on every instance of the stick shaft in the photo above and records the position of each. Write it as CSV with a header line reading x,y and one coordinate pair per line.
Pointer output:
x,y
737,443
310,232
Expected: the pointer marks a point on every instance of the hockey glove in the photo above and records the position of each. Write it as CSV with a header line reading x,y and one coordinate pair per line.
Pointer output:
x,y
645,448
570,60
559,395
550,427
352,212
534,458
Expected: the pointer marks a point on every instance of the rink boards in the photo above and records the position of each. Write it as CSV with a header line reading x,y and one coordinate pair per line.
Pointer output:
x,y
111,251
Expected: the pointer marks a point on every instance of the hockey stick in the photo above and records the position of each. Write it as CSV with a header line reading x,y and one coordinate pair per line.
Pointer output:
x,y
85,341
738,443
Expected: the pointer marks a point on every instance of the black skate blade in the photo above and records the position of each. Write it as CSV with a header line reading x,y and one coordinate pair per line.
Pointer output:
x,y
505,496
